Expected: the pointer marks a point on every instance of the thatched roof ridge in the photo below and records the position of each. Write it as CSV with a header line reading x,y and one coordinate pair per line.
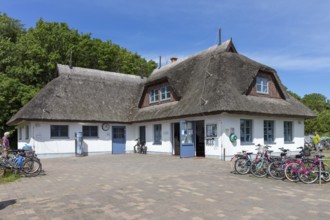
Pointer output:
x,y
92,73
220,48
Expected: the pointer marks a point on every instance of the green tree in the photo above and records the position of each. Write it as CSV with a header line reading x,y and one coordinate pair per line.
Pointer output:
x,y
294,95
28,59
10,28
315,101
320,105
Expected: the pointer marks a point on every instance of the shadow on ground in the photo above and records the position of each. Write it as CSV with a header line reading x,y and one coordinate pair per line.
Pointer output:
x,y
4,204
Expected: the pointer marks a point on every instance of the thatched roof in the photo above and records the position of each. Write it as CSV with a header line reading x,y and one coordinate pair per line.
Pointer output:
x,y
80,94
210,82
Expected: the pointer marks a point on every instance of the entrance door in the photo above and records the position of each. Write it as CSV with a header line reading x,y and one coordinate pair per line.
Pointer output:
x,y
142,134
118,140
176,138
187,146
200,139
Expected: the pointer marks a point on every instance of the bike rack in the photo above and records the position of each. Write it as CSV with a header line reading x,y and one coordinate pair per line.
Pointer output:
x,y
320,178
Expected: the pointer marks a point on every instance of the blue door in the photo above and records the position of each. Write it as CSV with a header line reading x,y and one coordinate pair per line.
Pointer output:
x,y
187,146
118,140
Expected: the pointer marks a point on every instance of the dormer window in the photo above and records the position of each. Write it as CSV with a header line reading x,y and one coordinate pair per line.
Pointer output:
x,y
157,93
262,85
165,93
154,97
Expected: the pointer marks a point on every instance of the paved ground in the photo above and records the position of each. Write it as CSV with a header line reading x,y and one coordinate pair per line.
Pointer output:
x,y
156,187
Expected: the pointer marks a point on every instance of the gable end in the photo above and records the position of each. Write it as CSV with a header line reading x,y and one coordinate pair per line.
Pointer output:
x,y
274,90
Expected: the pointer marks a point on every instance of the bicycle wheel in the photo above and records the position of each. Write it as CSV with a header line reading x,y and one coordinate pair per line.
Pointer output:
x,y
308,172
326,173
31,167
259,168
291,172
242,166
276,170
232,162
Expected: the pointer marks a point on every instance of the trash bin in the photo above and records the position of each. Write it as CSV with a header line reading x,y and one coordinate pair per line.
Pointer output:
x,y
79,144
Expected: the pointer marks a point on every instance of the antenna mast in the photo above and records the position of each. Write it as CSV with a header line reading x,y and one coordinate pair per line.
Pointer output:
x,y
219,36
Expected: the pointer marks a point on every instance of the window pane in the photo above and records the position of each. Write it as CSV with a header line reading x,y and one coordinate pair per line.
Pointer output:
x,y
246,130
157,134
268,131
154,95
27,132
118,132
165,93
288,131
90,131
59,131
211,130
262,85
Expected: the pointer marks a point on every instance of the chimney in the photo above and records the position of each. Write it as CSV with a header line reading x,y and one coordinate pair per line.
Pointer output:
x,y
173,59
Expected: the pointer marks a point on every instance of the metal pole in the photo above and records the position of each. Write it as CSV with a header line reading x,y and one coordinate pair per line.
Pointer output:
x,y
320,171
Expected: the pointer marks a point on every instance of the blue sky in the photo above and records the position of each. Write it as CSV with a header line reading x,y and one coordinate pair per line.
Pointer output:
x,y
290,36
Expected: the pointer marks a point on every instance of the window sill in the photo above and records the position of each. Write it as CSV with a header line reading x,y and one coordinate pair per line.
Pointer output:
x,y
269,142
157,143
247,143
59,137
89,138
264,93
289,142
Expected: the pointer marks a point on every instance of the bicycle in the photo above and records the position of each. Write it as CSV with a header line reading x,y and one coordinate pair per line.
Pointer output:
x,y
291,170
19,162
309,172
140,147
244,161
259,167
234,158
277,167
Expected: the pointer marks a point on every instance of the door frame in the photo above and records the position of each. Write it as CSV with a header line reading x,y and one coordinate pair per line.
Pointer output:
x,y
118,148
187,149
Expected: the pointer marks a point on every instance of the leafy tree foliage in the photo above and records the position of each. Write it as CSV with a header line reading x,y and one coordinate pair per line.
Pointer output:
x,y
10,28
28,59
321,106
294,95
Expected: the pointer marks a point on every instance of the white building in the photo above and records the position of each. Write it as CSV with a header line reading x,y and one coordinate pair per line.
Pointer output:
x,y
197,106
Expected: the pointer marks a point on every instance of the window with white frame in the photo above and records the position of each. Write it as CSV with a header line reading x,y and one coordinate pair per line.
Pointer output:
x,y
154,96
90,131
27,132
158,134
165,93
59,131
288,131
262,85
246,130
20,133
211,130
269,131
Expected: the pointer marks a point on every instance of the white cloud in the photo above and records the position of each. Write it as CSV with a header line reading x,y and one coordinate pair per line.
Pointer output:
x,y
292,62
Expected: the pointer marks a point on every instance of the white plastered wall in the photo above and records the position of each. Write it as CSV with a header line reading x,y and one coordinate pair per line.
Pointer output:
x,y
220,147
